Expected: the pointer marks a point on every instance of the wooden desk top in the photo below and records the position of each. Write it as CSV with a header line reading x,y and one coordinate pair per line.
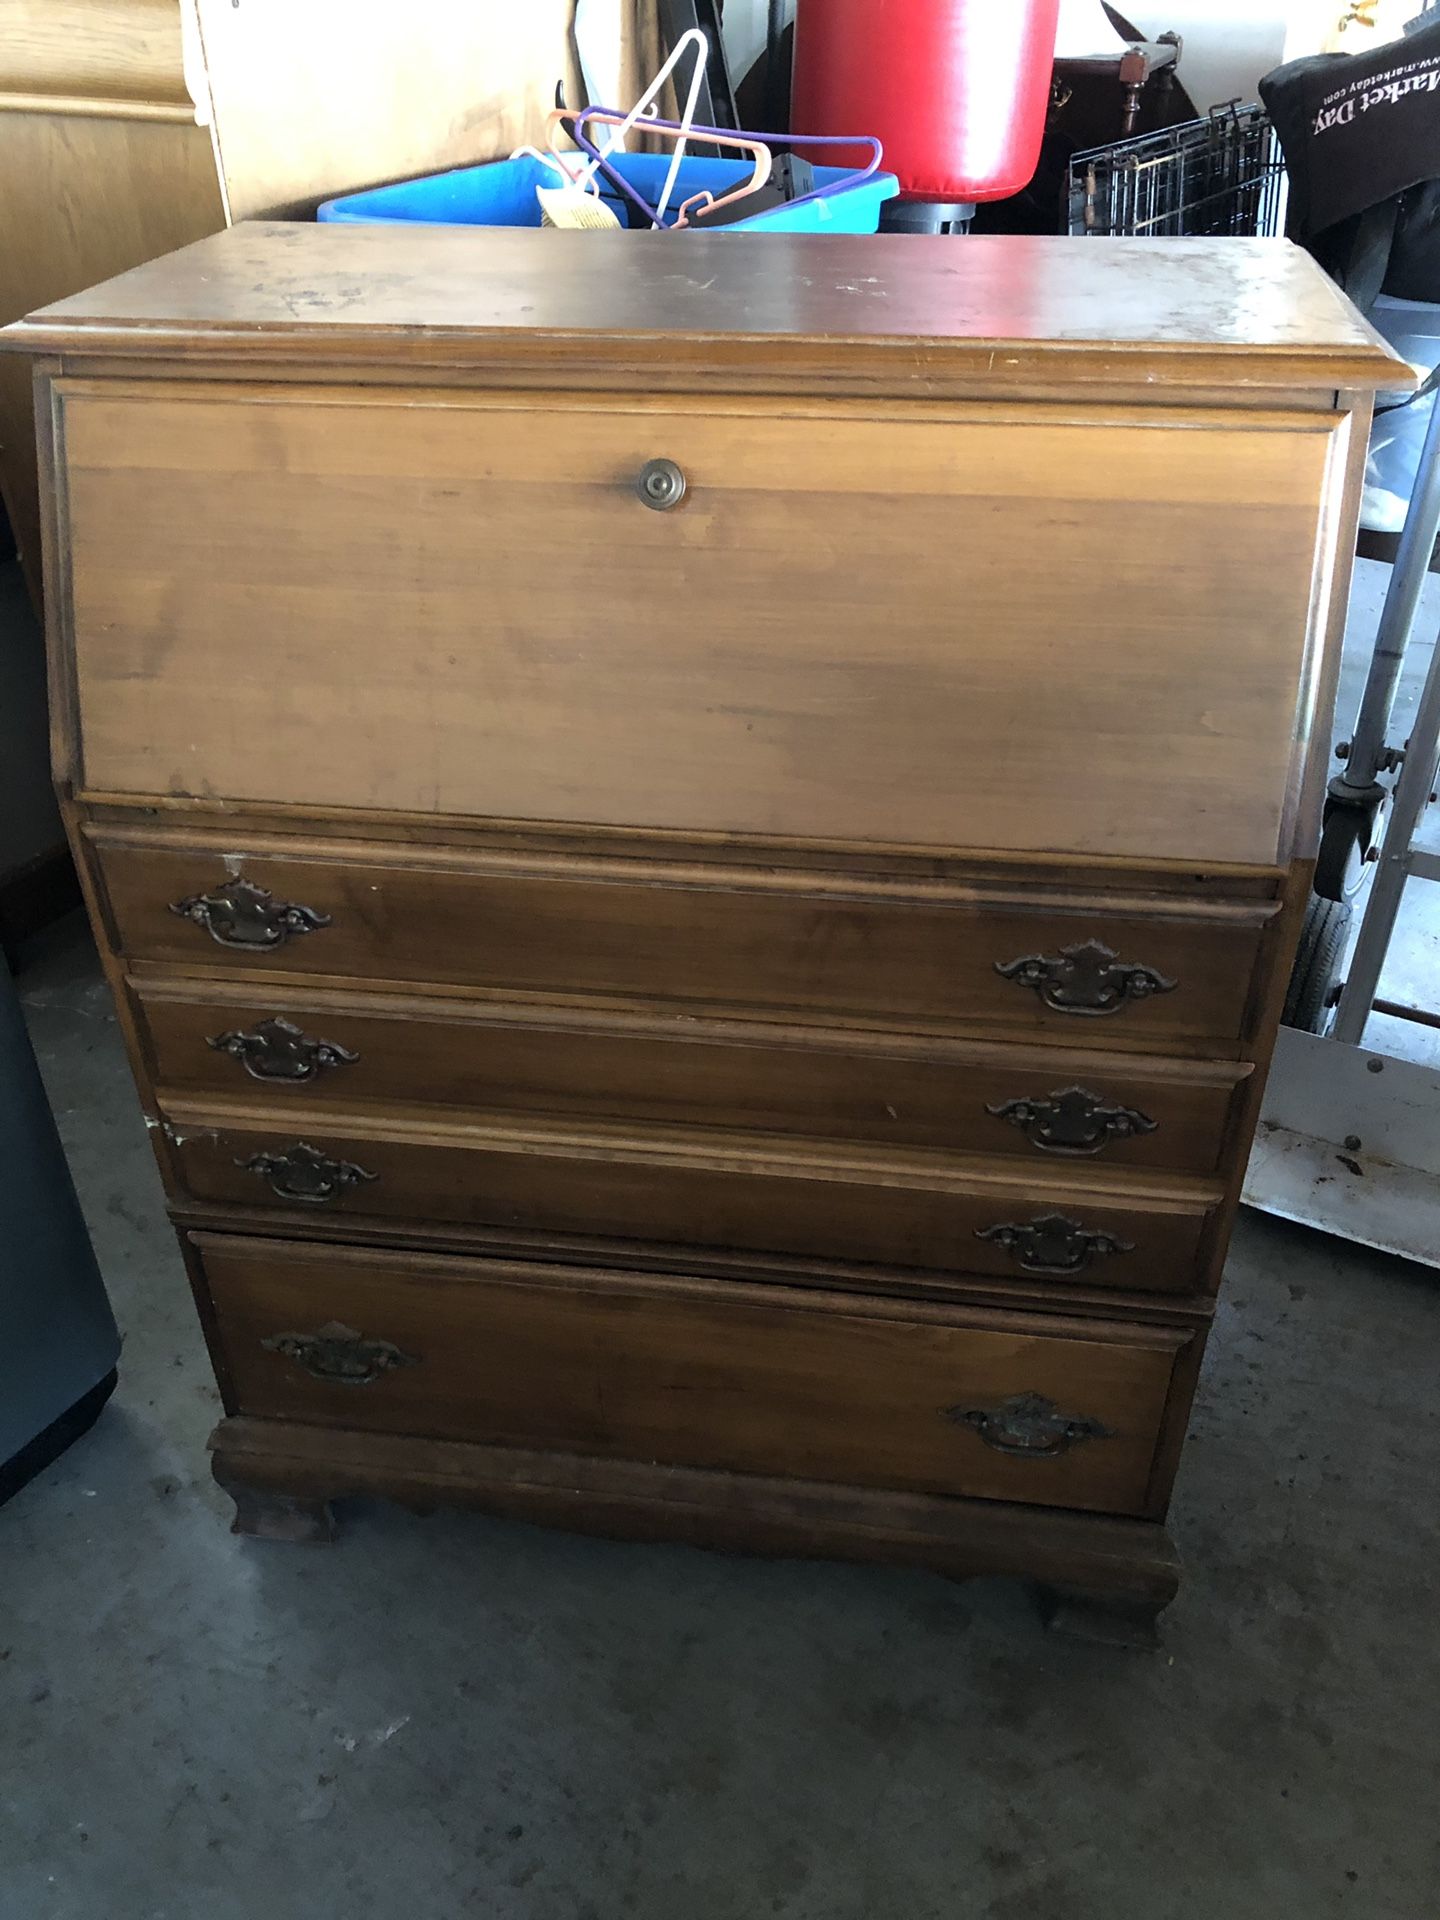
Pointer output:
x,y
901,307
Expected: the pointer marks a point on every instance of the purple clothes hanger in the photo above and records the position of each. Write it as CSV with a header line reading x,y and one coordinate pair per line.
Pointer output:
x,y
617,179
762,160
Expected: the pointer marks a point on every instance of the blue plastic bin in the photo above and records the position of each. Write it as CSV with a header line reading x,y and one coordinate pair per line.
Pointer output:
x,y
502,194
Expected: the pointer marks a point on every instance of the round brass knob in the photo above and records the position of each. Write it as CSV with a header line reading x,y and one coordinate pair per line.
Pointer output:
x,y
661,485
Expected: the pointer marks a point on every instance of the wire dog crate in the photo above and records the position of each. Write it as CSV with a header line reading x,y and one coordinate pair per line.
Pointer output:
x,y
1219,175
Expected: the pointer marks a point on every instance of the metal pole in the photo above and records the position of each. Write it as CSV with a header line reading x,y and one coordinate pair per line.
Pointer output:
x,y
1367,756
777,106
1377,925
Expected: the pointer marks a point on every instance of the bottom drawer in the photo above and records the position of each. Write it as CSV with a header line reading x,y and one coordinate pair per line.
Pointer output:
x,y
819,1386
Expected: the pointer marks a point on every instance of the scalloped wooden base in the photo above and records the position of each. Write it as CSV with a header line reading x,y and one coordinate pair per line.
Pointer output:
x,y
1100,1578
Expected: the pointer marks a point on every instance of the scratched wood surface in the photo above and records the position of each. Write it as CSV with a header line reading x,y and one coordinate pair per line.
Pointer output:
x,y
1248,314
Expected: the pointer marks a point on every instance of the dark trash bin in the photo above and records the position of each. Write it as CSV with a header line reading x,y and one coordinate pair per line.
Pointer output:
x,y
58,1340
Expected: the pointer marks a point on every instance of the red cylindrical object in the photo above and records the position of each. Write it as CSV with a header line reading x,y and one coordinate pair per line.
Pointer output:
x,y
956,89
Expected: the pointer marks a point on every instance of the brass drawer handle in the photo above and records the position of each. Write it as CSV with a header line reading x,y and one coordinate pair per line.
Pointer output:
x,y
276,1050
340,1354
1030,1427
661,485
1052,1243
305,1174
1071,1120
1089,978
240,914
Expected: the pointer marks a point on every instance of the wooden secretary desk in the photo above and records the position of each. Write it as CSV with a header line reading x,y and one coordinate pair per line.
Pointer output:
x,y
699,841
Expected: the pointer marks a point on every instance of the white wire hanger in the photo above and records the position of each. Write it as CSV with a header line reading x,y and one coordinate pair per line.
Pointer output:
x,y
646,107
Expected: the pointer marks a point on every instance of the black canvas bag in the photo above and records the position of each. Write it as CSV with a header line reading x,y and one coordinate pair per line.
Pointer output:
x,y
1361,139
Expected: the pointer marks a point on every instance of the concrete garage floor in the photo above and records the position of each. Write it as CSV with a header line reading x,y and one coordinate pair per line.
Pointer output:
x,y
459,1717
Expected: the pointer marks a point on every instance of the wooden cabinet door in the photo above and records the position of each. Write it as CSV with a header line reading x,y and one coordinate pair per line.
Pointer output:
x,y
1084,631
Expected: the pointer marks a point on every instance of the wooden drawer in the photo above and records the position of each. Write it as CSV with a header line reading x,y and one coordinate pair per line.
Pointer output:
x,y
1066,1413
928,1211
854,628
334,1052
946,957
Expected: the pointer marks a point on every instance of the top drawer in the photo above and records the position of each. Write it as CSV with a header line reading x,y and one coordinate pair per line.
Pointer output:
x,y
947,627
1093,970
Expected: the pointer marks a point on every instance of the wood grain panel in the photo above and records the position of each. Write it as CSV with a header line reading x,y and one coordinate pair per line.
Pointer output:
x,y
117,54
965,618
922,958
82,198
693,1373
819,1083
916,1211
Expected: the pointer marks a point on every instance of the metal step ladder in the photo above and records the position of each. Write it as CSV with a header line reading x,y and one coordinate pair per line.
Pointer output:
x,y
1349,1137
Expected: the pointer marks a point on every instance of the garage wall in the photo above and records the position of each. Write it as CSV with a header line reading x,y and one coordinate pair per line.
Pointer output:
x,y
1228,43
